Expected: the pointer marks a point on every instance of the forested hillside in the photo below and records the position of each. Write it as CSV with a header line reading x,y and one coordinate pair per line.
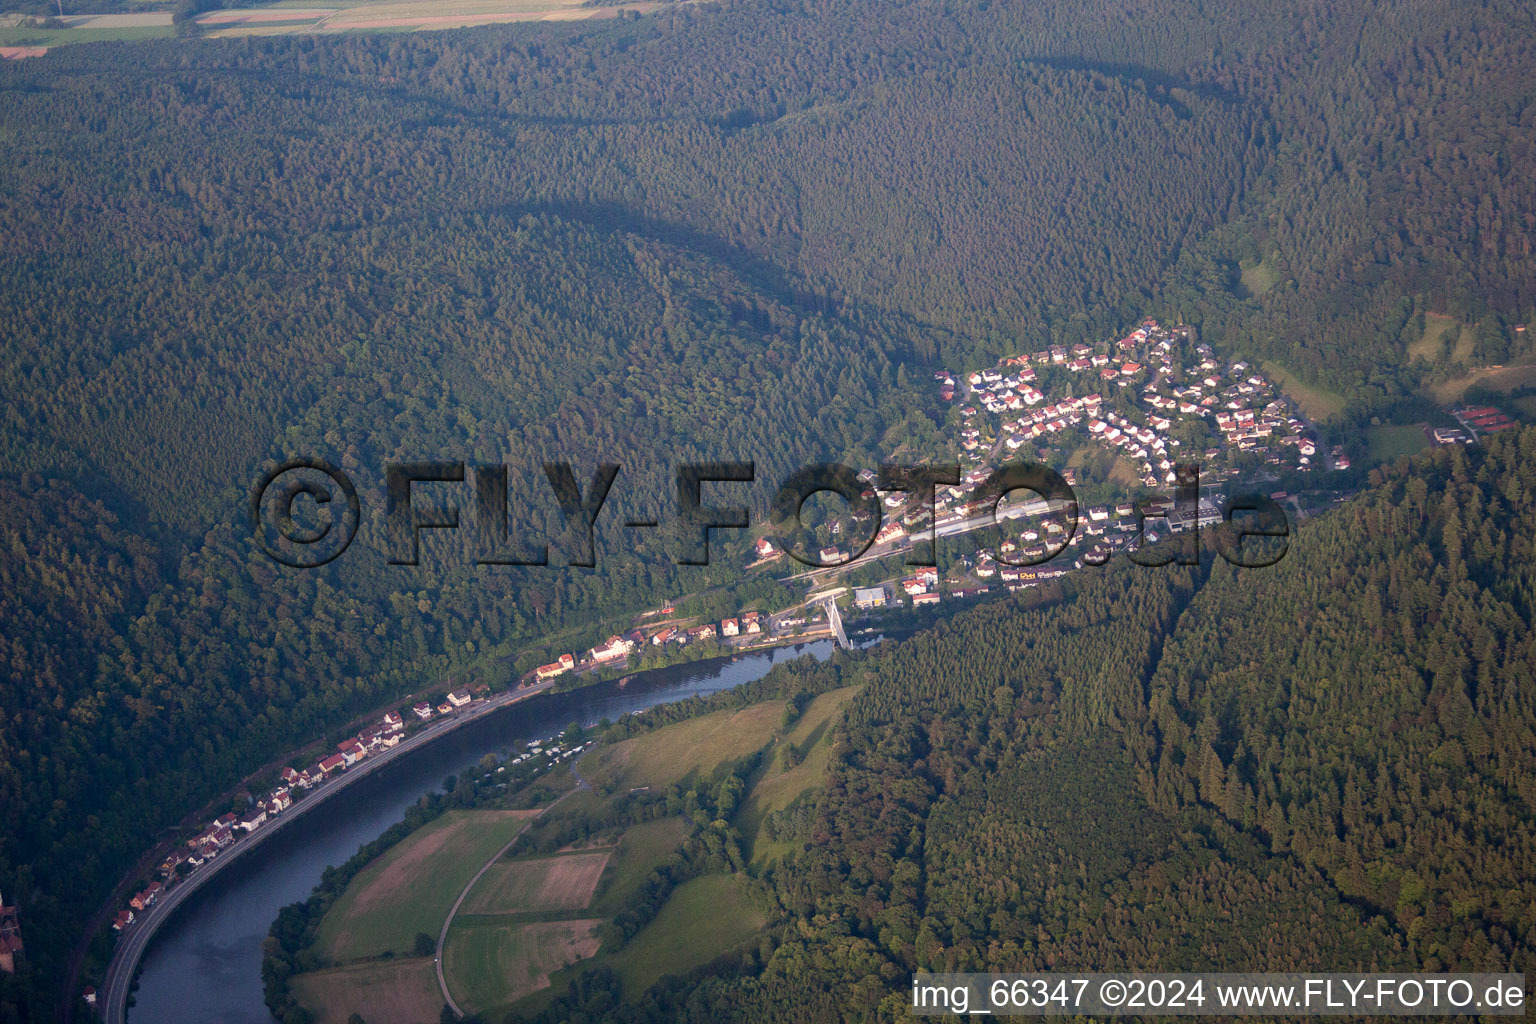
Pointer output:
x,y
1326,763
735,230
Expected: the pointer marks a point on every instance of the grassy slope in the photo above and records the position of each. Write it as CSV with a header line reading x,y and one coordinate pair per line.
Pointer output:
x,y
642,850
697,745
1259,278
777,788
1318,403
704,918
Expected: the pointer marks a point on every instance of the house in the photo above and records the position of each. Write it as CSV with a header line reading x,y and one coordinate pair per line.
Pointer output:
x,y
393,722
290,777
123,920
350,752
331,764
89,995
282,799
253,818
458,698
924,598
704,632
730,627
754,627
616,647
549,671
422,710
831,554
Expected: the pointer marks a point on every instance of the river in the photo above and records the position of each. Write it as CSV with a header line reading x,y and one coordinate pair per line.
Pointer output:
x,y
204,965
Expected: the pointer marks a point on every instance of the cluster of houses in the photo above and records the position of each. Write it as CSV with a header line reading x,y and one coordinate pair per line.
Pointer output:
x,y
449,704
922,587
619,647
747,624
1167,382
222,832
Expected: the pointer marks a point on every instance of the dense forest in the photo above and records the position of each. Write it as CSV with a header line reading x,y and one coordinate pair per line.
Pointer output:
x,y
744,230
1326,763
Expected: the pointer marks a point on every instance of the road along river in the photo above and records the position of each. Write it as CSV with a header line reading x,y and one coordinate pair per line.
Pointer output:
x,y
203,963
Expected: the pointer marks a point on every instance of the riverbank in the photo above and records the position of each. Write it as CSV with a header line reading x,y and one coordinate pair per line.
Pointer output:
x,y
596,699
112,1000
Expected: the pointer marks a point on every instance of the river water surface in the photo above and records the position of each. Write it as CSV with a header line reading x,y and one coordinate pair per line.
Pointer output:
x,y
204,966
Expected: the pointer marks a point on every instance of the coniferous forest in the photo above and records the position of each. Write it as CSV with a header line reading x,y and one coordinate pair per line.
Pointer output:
x,y
753,230
1324,763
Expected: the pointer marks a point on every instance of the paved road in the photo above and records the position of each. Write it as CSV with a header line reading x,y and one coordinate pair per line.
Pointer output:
x,y
113,999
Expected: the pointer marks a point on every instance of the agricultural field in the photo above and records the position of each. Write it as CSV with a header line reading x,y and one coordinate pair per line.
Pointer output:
x,y
704,918
304,16
697,745
410,888
491,964
544,884
39,36
1318,403
1393,442
398,992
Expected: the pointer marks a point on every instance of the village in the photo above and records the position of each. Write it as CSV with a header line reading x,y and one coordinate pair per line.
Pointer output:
x,y
1164,393
1168,399
1161,399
